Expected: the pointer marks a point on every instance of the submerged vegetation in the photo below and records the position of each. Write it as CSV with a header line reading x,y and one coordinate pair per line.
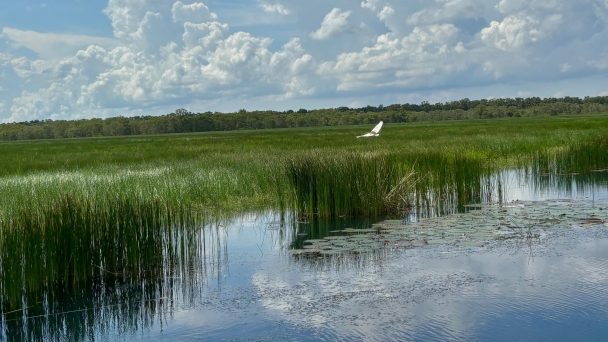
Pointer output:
x,y
481,225
76,211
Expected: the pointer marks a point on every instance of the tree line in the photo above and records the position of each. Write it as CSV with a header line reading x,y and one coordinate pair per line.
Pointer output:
x,y
183,121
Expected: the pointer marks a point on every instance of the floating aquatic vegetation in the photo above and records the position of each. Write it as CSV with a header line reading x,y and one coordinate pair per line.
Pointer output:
x,y
480,226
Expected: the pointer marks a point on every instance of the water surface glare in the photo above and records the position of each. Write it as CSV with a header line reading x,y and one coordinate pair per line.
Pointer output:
x,y
547,288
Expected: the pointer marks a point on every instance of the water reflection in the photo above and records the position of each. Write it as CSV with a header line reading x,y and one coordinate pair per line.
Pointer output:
x,y
121,305
235,278
464,295
506,186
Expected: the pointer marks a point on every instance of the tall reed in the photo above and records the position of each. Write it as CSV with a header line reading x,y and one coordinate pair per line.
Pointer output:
x,y
349,184
70,242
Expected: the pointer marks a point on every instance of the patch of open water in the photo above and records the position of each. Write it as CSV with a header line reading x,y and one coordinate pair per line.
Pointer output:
x,y
552,290
546,287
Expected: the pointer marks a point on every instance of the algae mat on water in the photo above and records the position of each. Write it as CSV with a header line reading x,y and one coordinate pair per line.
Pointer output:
x,y
482,225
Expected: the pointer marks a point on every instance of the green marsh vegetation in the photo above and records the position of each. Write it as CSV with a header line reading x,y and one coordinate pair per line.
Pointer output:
x,y
74,211
183,121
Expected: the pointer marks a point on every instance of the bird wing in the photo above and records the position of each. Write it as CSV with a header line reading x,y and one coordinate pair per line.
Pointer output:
x,y
376,129
366,135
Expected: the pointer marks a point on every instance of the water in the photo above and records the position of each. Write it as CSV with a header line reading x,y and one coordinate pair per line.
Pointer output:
x,y
550,288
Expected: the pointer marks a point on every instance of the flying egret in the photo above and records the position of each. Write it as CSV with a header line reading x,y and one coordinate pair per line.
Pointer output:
x,y
374,133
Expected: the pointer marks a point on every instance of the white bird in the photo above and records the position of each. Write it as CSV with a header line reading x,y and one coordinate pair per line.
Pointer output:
x,y
374,133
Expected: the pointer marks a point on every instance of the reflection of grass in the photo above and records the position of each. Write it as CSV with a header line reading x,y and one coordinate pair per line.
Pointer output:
x,y
122,303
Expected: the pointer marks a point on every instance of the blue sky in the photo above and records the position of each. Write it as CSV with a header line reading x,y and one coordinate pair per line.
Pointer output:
x,y
71,59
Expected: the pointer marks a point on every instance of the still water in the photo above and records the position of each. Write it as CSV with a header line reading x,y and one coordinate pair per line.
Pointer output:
x,y
249,287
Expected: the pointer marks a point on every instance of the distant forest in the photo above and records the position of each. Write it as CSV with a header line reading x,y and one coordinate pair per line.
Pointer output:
x,y
183,121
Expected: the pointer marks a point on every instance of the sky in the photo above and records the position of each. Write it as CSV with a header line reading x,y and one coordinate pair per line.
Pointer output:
x,y
75,59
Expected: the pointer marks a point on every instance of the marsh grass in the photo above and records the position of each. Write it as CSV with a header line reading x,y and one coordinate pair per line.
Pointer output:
x,y
71,242
350,184
575,157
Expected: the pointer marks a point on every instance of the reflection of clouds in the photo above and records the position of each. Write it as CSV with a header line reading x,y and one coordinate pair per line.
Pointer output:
x,y
593,270
422,295
358,305
279,297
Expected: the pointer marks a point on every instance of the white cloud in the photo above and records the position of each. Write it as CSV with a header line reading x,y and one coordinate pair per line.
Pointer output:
x,y
369,4
205,35
513,32
202,60
52,45
386,12
518,31
334,23
426,53
601,63
450,10
194,13
274,8
126,15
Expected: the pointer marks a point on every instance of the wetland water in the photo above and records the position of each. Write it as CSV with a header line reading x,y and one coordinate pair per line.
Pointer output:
x,y
534,268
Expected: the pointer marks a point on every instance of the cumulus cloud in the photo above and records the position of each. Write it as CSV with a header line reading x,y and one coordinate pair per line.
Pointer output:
x,y
516,32
383,13
510,6
194,13
334,23
204,60
370,4
545,24
414,59
126,15
274,8
386,12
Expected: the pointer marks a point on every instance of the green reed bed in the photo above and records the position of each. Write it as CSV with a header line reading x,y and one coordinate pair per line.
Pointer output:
x,y
349,184
70,242
372,184
585,162
452,180
575,157
71,228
